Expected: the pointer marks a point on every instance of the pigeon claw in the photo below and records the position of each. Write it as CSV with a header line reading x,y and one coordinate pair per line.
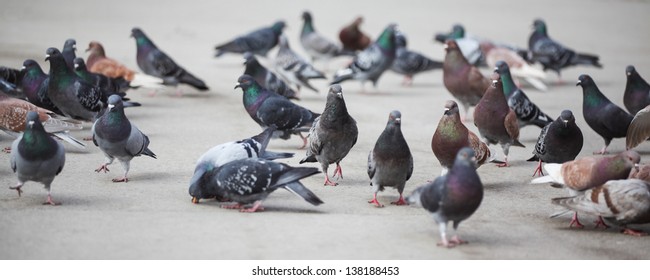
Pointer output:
x,y
576,222
328,182
600,223
538,170
103,167
120,180
195,200
17,188
633,232
6,150
400,201
376,202
49,201
257,206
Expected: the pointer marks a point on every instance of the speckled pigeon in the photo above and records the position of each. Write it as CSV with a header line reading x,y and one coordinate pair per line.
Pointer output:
x,y
266,78
371,63
250,181
118,138
637,91
496,122
553,55
259,41
332,135
620,202
268,108
453,197
527,112
155,62
253,147
558,142
463,80
35,156
390,162
410,63
295,69
603,116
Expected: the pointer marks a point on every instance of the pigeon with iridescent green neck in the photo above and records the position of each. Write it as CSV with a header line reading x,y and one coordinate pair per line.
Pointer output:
x,y
35,84
637,91
371,63
259,41
527,112
266,78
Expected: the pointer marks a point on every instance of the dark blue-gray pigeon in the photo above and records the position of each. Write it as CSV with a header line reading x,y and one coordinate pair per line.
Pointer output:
x,y
637,91
373,61
553,55
118,138
155,62
390,163
332,135
410,63
35,156
115,86
259,41
266,78
527,112
603,116
68,52
253,147
251,180
558,142
35,85
74,97
268,108
10,79
453,197
295,69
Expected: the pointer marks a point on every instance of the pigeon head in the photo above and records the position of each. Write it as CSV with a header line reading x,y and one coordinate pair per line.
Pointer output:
x,y
633,157
140,38
248,57
501,67
115,103
585,80
70,44
395,118
357,21
30,64
451,108
33,123
95,47
567,117
335,91
457,31
278,26
79,63
52,52
306,16
465,156
387,38
136,32
496,79
629,70
400,39
246,81
539,26
414,198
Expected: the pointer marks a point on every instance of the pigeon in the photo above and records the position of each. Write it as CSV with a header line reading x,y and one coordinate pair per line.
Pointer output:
x,y
118,138
99,63
453,197
553,55
457,32
332,135
451,135
35,84
639,129
370,63
117,86
259,41
266,78
75,98
68,52
35,156
268,108
315,44
251,180
390,162
10,89
496,122
642,173
155,62
620,202
463,80
409,63
253,147
469,46
14,112
589,172
293,68
603,116
558,142
10,75
637,91
519,67
352,38
527,112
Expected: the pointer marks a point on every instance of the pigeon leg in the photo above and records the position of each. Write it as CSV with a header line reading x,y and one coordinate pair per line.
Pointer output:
x,y
408,80
634,232
256,206
400,201
338,171
17,188
104,167
442,227
328,182
604,151
121,179
375,201
125,179
600,223
538,170
457,241
304,141
575,221
505,163
49,200
237,205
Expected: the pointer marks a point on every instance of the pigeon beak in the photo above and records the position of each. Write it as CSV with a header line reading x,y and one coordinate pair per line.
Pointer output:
x,y
566,123
339,94
195,200
496,69
445,46
76,65
628,73
636,167
47,57
398,120
111,106
238,85
31,124
494,82
578,83
22,68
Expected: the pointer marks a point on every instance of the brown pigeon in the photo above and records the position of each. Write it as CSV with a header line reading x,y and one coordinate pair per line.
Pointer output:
x,y
352,38
642,173
99,63
496,122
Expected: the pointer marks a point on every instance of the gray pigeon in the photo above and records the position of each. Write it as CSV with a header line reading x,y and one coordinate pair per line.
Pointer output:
x,y
390,162
410,63
35,85
527,112
371,63
266,78
250,181
332,135
558,142
253,147
35,156
637,91
315,44
620,202
452,197
74,97
295,69
118,138
259,41
68,52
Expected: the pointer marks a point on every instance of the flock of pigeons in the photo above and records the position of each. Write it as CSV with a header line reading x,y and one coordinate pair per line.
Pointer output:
x,y
36,106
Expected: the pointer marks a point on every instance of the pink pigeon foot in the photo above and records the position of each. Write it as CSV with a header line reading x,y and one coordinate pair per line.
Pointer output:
x,y
120,180
408,81
232,206
375,201
257,206
575,221
17,188
103,167
538,170
633,232
457,241
338,171
328,182
7,150
400,201
49,201
600,223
